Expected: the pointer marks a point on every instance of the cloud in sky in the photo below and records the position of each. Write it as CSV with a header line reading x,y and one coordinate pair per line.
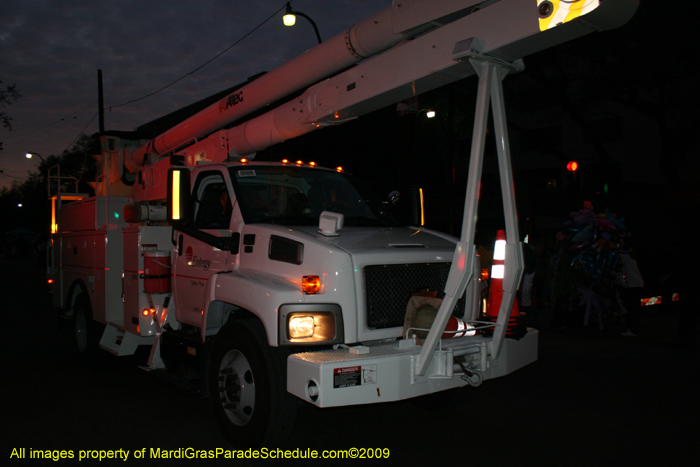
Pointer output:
x,y
52,49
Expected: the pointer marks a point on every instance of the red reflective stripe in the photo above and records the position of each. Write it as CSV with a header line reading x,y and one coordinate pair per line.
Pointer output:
x,y
651,301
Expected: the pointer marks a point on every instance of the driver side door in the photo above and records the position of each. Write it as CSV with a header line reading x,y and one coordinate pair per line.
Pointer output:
x,y
203,248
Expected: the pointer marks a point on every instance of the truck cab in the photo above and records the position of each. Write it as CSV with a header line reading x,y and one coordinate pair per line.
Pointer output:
x,y
297,261
358,273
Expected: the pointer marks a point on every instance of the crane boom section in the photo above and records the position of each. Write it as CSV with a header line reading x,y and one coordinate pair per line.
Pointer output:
x,y
432,60
369,37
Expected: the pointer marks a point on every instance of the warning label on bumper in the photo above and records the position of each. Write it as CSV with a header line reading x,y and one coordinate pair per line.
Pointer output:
x,y
354,376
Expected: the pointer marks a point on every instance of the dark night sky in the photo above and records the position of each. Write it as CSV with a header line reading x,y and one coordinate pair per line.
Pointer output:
x,y
52,49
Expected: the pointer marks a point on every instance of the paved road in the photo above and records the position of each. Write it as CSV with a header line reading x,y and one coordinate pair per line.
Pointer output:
x,y
590,399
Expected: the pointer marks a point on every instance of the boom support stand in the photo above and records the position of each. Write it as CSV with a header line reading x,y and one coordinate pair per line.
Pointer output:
x,y
491,73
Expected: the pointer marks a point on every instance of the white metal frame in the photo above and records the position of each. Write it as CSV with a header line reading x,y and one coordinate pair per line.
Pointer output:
x,y
491,73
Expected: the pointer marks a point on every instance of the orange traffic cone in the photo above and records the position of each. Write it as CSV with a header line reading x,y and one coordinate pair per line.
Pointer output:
x,y
496,287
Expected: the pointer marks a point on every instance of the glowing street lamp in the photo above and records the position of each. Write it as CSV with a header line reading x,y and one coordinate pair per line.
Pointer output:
x,y
290,19
29,155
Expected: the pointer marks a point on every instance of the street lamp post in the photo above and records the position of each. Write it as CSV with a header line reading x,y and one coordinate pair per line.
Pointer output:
x,y
29,155
289,19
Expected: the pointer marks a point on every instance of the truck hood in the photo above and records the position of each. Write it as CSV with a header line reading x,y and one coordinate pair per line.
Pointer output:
x,y
402,244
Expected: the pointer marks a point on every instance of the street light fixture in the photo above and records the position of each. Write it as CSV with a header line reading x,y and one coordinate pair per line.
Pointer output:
x,y
289,19
29,155
404,108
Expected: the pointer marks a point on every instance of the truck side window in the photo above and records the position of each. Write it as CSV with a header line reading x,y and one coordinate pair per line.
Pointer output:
x,y
213,203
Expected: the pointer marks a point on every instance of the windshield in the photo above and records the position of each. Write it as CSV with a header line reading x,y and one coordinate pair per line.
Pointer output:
x,y
292,195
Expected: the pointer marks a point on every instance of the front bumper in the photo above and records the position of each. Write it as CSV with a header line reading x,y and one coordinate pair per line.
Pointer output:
x,y
343,376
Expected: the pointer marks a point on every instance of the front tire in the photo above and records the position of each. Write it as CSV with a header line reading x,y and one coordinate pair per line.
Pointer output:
x,y
247,386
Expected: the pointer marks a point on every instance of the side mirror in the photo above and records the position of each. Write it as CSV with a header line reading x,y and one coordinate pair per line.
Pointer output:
x,y
408,205
394,197
180,204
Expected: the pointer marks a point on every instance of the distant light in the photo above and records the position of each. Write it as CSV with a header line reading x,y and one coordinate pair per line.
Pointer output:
x,y
289,19
572,166
339,169
430,114
19,205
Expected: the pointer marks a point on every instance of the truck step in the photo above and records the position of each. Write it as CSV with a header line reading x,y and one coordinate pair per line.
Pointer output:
x,y
119,342
181,383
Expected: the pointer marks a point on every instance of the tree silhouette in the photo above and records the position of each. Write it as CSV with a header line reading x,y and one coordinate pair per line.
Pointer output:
x,y
8,95
34,192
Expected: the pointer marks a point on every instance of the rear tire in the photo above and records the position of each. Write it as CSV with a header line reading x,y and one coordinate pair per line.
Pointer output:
x,y
247,386
87,331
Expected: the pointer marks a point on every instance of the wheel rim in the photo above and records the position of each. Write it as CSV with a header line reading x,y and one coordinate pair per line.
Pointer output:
x,y
236,387
81,330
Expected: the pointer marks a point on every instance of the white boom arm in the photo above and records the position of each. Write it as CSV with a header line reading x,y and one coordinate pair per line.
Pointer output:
x,y
441,32
505,30
373,35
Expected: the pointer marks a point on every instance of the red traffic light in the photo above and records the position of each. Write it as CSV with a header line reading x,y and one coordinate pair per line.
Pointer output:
x,y
572,166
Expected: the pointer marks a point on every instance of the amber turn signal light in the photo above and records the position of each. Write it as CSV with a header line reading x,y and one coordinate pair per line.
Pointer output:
x,y
310,284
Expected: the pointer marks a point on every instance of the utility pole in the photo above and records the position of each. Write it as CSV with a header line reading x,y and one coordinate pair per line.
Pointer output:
x,y
100,101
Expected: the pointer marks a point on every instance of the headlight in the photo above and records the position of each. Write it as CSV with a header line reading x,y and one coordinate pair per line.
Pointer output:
x,y
301,324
